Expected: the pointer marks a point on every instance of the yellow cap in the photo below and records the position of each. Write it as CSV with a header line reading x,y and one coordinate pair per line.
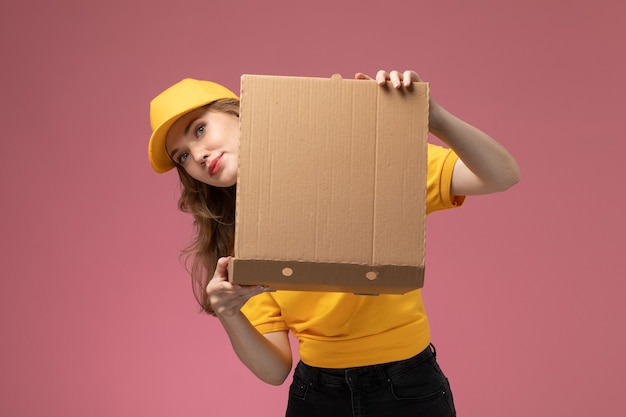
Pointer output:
x,y
167,107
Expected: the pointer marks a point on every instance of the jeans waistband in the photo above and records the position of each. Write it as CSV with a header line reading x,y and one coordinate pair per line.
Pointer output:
x,y
337,376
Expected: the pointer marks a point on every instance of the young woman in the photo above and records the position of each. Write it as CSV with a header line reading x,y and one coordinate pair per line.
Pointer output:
x,y
359,356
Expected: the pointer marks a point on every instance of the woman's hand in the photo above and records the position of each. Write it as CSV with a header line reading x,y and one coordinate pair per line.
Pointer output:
x,y
267,355
398,79
225,298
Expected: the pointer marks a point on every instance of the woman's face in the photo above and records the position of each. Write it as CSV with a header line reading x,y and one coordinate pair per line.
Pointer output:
x,y
206,144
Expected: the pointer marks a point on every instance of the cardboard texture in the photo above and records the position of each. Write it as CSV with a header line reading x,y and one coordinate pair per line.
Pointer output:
x,y
332,185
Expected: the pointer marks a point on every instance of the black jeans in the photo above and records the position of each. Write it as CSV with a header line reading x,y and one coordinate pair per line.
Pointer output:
x,y
415,387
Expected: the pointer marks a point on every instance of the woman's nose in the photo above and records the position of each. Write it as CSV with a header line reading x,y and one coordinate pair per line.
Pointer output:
x,y
199,154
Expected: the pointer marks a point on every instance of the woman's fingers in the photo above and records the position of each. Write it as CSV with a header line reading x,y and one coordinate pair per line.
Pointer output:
x,y
361,76
381,77
229,301
398,79
221,269
224,297
410,77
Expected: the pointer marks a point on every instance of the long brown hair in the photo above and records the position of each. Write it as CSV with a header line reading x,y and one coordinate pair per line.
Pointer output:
x,y
213,210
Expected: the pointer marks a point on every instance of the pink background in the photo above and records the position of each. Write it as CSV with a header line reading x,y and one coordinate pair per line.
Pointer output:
x,y
524,289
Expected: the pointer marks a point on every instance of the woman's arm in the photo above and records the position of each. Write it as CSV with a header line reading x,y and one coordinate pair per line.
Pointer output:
x,y
484,166
267,356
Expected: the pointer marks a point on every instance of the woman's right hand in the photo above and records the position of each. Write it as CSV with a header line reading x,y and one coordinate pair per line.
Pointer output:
x,y
225,298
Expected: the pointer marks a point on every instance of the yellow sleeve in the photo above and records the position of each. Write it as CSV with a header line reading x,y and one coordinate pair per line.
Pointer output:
x,y
441,163
264,313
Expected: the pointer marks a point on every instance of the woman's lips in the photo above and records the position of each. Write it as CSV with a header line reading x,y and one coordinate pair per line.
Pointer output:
x,y
215,164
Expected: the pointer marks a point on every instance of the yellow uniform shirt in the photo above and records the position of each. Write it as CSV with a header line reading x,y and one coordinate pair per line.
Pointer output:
x,y
343,330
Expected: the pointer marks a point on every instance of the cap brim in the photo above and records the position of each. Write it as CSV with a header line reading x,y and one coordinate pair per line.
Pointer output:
x,y
157,154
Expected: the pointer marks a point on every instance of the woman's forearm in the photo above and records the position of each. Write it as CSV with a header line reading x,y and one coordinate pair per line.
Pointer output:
x,y
486,167
267,356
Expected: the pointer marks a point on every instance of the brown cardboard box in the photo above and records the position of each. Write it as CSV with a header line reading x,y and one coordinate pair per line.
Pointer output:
x,y
332,185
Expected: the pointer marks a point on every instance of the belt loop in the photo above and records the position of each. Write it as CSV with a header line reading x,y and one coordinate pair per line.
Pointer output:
x,y
309,373
314,375
433,350
382,375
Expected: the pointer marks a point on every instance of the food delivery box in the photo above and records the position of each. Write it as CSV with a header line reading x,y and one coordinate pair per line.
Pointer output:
x,y
331,189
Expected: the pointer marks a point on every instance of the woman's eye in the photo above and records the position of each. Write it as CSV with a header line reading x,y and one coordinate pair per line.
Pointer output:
x,y
183,158
200,130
